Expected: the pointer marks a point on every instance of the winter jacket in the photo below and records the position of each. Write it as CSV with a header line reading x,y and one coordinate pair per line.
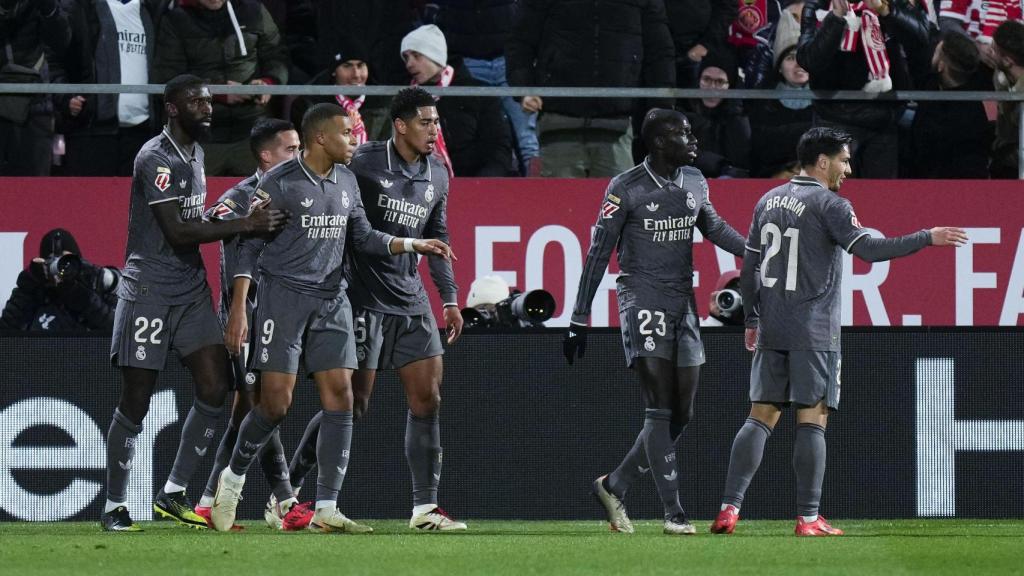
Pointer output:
x,y
704,22
723,139
377,26
775,131
36,307
93,58
904,28
197,41
475,130
616,43
477,28
30,34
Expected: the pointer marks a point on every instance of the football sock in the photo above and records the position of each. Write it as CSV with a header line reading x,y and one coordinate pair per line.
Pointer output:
x,y
120,454
332,454
423,452
661,457
809,466
110,506
634,465
744,460
305,455
809,519
196,435
252,435
227,444
275,467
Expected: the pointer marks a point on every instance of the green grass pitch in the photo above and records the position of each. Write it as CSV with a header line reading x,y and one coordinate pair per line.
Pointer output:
x,y
961,547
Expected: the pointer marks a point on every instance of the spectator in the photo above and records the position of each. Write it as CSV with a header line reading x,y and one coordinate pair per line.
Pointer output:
x,y
836,55
978,19
61,292
949,139
378,25
758,65
777,125
225,42
111,43
477,31
698,27
296,22
28,30
369,122
1008,52
627,46
474,139
720,126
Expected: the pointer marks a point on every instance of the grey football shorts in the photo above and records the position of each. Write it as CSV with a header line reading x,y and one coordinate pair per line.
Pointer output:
x,y
654,333
801,377
145,333
390,341
288,326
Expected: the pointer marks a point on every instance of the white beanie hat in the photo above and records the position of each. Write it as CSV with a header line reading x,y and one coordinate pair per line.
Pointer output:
x,y
487,290
429,41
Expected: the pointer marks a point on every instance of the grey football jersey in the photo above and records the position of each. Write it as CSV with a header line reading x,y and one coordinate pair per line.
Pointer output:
x,y
307,254
237,202
154,272
799,232
407,206
650,220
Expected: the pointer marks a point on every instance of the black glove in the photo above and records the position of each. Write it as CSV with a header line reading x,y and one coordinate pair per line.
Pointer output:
x,y
575,343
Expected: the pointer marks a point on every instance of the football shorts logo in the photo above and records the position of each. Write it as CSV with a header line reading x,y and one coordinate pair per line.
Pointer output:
x,y
385,183
250,378
361,353
344,198
691,202
652,207
608,209
140,354
162,181
649,344
429,194
264,356
306,202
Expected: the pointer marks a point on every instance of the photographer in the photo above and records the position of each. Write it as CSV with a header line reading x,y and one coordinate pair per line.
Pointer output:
x,y
61,292
726,306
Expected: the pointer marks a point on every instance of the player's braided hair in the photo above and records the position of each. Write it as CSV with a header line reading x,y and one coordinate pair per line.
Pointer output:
x,y
405,103
264,133
821,140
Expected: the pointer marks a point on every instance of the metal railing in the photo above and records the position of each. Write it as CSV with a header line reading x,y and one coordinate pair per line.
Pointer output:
x,y
654,93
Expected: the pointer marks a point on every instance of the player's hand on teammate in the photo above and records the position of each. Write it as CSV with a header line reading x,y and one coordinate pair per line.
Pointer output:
x,y
750,339
948,236
574,345
237,332
453,323
265,220
433,247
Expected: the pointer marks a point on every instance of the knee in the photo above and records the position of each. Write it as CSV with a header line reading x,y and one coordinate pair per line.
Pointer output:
x,y
134,410
212,392
274,413
425,404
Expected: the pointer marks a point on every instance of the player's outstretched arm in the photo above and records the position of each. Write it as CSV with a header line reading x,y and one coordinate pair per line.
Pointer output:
x,y
718,231
181,234
879,249
948,236
237,332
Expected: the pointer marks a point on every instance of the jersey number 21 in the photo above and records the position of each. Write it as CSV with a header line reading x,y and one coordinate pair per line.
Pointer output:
x,y
771,236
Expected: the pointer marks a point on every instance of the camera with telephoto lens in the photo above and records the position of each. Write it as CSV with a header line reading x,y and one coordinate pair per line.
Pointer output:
x,y
520,309
71,267
729,303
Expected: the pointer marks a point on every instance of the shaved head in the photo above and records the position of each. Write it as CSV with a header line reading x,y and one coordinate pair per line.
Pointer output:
x,y
657,121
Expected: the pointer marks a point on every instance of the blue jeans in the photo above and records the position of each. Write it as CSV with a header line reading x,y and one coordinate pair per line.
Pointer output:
x,y
524,125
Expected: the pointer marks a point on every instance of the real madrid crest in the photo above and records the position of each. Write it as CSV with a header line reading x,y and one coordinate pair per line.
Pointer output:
x,y
691,202
429,194
344,198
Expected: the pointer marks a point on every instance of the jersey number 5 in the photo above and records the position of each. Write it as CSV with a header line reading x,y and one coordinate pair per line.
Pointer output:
x,y
771,236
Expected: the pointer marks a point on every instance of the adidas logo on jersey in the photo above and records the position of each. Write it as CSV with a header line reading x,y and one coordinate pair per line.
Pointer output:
x,y
306,202
652,207
385,183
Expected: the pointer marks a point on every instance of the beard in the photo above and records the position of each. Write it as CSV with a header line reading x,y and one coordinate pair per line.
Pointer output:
x,y
195,130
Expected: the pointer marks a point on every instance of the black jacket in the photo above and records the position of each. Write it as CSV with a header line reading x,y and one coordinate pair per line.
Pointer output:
x,y
617,43
35,307
723,139
377,26
775,131
905,28
477,28
704,22
475,131
93,58
32,34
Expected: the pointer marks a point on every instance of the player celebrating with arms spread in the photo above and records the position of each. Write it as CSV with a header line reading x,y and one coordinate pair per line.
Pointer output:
x,y
791,295
405,191
301,308
649,213
164,301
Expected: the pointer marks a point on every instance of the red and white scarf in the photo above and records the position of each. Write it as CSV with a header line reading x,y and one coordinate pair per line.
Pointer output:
x,y
869,31
440,148
352,107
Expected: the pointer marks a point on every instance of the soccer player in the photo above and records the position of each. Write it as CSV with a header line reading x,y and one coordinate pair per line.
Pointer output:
x,y
164,301
272,142
405,191
301,308
791,287
649,213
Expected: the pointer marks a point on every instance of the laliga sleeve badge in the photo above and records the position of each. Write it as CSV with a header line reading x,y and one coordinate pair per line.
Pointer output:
x,y
140,354
649,344
429,194
162,181
691,202
854,221
608,209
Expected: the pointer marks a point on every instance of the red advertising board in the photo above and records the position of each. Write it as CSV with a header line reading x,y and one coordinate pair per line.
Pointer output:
x,y
535,234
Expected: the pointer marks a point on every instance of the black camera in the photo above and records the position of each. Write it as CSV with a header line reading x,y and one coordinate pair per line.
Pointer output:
x,y
521,309
63,268
729,303
71,267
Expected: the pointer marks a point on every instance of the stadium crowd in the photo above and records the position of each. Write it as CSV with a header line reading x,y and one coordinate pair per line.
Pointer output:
x,y
873,45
